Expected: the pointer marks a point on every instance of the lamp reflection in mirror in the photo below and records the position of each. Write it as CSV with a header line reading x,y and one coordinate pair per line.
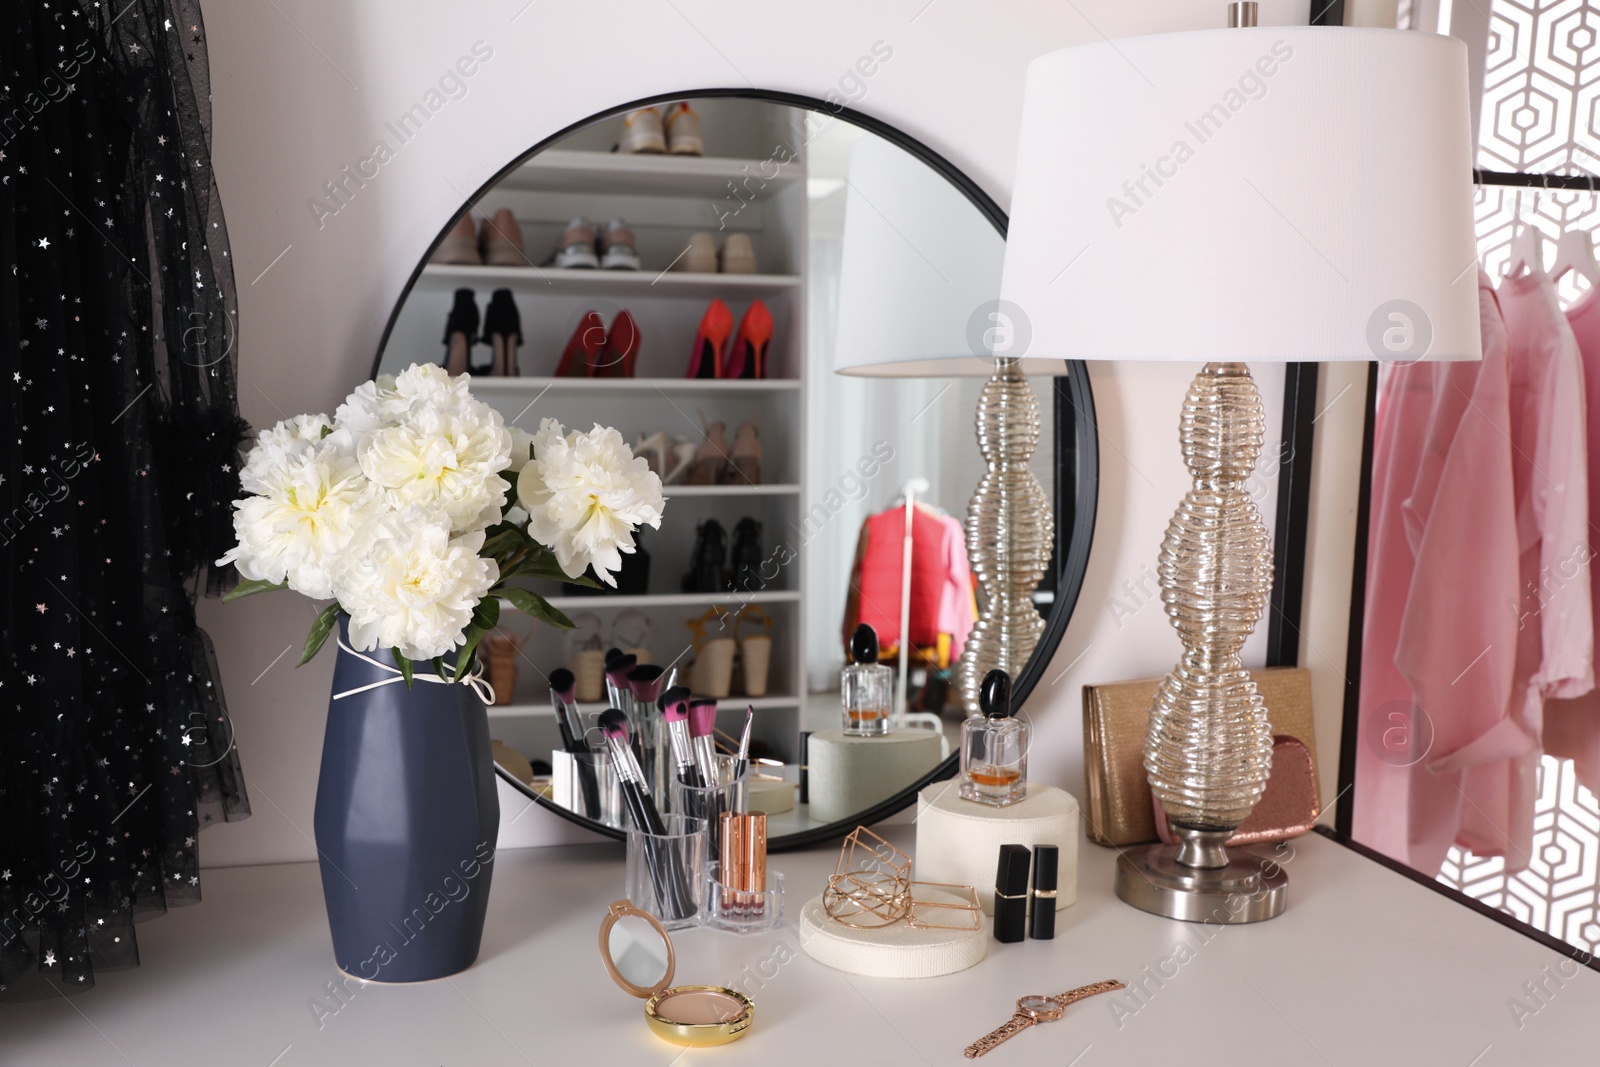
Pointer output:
x,y
1265,194
909,232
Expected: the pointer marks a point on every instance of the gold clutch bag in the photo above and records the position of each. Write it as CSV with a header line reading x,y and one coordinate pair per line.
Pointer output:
x,y
1118,809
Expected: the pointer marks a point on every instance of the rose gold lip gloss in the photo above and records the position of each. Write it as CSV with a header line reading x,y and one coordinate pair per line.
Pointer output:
x,y
731,861
755,867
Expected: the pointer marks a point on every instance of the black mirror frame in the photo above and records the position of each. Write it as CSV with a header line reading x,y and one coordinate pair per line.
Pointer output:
x,y
1076,469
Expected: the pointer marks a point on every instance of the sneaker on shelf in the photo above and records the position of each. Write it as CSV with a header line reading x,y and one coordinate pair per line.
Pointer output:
x,y
502,241
641,132
738,255
683,131
618,249
577,246
460,245
700,257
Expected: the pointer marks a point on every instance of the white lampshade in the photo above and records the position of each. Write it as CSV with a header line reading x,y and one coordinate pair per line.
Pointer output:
x,y
1262,195
920,265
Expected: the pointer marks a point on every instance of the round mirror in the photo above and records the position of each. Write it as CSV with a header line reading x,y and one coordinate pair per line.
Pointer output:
x,y
790,310
638,951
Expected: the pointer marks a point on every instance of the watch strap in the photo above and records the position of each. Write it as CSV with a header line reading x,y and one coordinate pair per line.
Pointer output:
x,y
1072,996
1012,1027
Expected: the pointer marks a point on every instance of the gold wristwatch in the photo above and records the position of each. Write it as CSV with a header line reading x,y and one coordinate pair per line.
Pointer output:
x,y
1036,1009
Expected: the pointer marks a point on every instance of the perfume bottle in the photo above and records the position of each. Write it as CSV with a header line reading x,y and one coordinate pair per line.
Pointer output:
x,y
866,687
994,747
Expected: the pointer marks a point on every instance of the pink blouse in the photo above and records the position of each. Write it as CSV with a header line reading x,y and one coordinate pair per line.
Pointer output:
x,y
1489,630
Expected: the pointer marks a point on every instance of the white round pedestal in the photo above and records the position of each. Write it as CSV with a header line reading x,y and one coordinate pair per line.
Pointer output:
x,y
897,951
959,840
849,774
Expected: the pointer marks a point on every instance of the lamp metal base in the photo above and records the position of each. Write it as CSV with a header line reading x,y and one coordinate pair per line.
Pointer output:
x,y
1246,889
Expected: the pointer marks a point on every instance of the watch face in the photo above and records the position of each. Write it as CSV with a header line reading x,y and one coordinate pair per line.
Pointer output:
x,y
1039,1007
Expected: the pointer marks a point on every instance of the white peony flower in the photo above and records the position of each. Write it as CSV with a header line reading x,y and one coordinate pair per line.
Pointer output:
x,y
299,436
414,587
309,507
451,462
521,447
585,494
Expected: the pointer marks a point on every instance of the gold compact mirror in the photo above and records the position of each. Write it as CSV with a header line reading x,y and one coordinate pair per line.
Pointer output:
x,y
637,953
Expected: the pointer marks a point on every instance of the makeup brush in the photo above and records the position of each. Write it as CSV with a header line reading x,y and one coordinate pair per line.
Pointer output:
x,y
702,723
666,874
644,684
675,711
742,763
617,668
563,701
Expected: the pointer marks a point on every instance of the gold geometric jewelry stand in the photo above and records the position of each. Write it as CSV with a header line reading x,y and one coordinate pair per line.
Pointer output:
x,y
871,888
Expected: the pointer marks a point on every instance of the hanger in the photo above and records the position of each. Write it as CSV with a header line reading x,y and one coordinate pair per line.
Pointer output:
x,y
1527,247
1575,252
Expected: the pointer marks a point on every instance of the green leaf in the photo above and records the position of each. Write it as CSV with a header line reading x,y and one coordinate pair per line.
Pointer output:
x,y
535,606
407,671
464,656
319,632
250,587
542,564
487,614
438,667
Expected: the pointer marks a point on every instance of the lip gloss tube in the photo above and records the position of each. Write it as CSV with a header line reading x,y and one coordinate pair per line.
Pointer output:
x,y
1011,894
1042,919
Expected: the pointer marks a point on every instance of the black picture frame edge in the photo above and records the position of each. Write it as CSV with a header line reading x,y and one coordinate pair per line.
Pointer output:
x,y
1076,482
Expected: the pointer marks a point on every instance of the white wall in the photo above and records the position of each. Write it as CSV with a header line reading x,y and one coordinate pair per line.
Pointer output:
x,y
303,88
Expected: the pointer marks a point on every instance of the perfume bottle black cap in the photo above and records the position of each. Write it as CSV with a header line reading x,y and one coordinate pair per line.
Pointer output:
x,y
994,695
864,644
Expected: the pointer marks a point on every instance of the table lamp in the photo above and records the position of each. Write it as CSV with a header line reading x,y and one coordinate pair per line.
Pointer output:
x,y
919,282
1228,196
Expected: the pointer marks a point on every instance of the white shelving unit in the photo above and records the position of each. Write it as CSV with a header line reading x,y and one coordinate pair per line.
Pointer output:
x,y
737,188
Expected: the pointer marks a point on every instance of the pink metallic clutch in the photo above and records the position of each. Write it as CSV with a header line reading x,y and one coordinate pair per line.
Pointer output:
x,y
1287,809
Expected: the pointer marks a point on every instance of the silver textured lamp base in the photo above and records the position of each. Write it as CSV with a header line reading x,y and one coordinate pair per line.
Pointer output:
x,y
1208,749
1244,889
1010,529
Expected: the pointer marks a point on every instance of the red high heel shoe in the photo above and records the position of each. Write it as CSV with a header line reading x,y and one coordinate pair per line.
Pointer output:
x,y
621,350
748,356
577,359
715,326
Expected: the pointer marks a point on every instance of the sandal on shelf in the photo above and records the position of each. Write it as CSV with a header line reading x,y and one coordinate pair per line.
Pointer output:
x,y
460,245
630,631
502,329
755,649
711,457
711,674
461,332
501,238
744,459
746,556
586,657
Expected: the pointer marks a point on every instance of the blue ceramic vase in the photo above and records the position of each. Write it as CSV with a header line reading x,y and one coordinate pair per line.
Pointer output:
x,y
406,819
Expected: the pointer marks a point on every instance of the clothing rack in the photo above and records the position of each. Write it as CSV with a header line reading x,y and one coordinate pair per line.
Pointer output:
x,y
1534,180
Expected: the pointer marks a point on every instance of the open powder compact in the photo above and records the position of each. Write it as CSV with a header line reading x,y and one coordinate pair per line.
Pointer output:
x,y
638,955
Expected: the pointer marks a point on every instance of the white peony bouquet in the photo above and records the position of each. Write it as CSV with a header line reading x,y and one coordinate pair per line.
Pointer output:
x,y
402,509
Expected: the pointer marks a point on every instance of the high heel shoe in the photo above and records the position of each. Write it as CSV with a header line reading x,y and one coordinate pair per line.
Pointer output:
x,y
705,562
502,329
744,459
501,239
460,245
715,326
746,557
577,359
748,356
460,332
621,350
710,458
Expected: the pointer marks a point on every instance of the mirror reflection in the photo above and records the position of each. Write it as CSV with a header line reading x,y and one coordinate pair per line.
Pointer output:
x,y
638,951
780,311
